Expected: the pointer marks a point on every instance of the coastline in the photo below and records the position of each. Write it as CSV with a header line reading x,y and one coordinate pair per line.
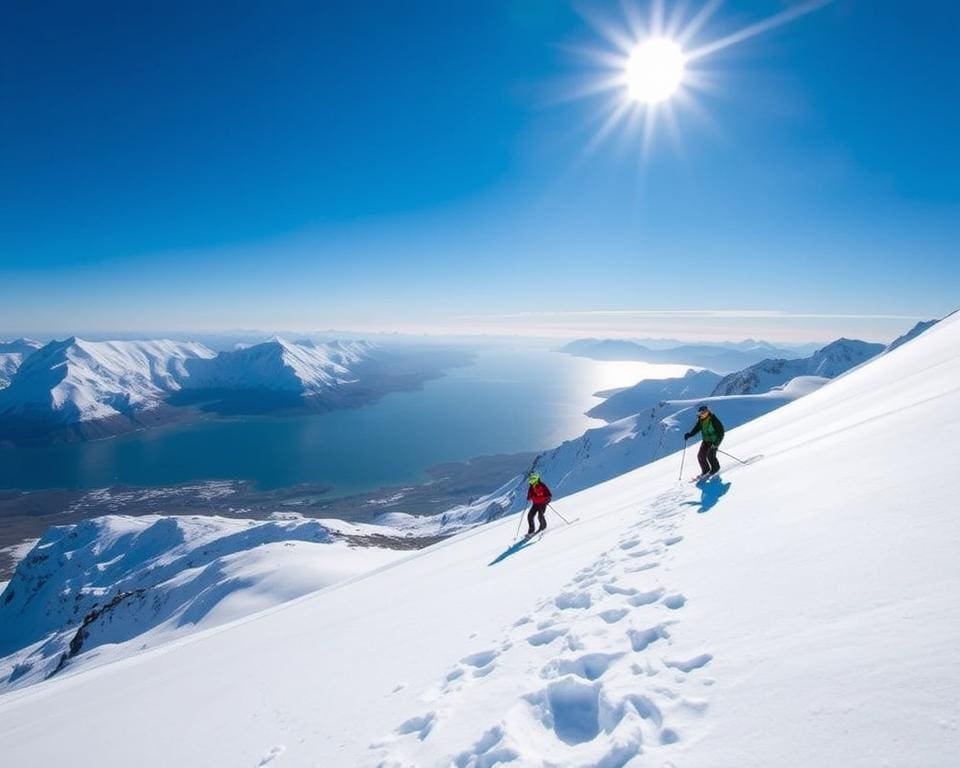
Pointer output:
x,y
25,515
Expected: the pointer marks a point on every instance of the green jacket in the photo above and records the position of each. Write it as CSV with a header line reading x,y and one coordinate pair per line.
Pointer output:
x,y
710,428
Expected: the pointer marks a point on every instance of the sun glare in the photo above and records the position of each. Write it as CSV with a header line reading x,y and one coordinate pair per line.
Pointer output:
x,y
654,65
654,71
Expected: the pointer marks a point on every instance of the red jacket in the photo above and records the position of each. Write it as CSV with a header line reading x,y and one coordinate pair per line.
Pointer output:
x,y
538,493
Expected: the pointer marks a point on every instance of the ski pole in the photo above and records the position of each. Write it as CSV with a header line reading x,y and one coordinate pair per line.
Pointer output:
x,y
731,456
558,514
683,457
519,523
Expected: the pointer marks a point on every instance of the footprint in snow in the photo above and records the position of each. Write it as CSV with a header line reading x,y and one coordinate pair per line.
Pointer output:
x,y
643,567
481,659
673,602
641,639
272,755
613,589
688,665
590,666
546,636
567,600
613,615
576,705
419,726
645,598
488,750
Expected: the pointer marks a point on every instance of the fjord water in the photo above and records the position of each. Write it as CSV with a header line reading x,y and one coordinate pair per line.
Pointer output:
x,y
507,401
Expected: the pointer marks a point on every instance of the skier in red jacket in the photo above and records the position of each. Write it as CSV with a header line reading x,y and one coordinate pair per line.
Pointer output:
x,y
540,495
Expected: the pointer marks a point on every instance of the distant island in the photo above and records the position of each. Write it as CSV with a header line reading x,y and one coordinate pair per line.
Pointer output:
x,y
725,357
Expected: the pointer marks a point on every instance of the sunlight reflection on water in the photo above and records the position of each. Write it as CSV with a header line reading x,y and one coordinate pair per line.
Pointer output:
x,y
509,401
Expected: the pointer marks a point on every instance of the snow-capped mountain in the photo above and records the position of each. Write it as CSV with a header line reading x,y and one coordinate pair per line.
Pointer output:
x,y
789,613
751,345
829,362
911,334
104,586
21,346
77,381
648,393
12,355
303,368
78,388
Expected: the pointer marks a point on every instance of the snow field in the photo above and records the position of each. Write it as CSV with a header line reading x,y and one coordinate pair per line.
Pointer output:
x,y
801,610
603,671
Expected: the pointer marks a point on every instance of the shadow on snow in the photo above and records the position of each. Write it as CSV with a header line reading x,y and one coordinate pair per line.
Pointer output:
x,y
513,549
710,493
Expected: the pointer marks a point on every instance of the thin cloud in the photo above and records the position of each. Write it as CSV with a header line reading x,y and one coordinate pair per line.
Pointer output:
x,y
746,314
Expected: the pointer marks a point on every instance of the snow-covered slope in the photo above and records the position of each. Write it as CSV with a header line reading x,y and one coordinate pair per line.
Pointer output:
x,y
646,394
631,442
919,328
12,355
829,362
106,587
302,368
76,380
802,610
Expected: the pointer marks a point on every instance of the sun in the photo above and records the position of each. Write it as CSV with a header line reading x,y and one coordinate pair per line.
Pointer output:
x,y
653,65
654,71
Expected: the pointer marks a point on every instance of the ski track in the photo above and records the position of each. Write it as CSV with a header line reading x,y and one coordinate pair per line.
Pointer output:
x,y
611,614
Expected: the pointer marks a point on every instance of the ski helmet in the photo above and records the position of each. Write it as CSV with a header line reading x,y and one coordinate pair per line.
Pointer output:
x,y
534,478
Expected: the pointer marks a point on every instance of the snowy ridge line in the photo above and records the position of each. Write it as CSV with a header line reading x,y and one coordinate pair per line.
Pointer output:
x,y
137,656
169,646
829,362
187,573
203,635
892,384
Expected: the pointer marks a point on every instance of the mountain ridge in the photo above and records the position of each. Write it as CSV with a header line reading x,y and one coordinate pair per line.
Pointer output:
x,y
74,388
828,362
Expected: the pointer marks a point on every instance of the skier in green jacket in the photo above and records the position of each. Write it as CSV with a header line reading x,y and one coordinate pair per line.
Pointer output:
x,y
711,430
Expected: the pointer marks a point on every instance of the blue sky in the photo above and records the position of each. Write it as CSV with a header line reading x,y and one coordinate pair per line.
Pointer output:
x,y
415,166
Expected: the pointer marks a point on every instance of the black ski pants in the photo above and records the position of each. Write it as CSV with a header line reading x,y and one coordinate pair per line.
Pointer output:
x,y
541,511
707,456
